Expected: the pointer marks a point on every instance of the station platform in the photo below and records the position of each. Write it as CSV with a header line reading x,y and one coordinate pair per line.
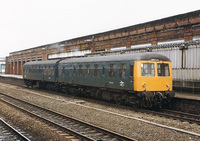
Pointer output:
x,y
11,76
184,95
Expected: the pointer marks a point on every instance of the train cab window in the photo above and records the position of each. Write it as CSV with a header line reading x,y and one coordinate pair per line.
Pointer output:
x,y
111,70
122,71
147,69
96,70
163,69
87,71
80,70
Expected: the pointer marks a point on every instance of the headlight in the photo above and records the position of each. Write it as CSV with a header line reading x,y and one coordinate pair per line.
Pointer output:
x,y
167,85
144,85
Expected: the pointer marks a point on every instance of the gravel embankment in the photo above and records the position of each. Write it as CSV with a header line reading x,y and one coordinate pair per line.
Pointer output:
x,y
133,128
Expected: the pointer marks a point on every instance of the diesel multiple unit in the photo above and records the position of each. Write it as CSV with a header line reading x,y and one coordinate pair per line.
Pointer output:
x,y
141,78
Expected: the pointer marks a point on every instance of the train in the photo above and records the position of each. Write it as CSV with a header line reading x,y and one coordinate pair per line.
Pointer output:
x,y
142,79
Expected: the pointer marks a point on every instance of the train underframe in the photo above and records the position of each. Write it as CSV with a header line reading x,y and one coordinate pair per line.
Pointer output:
x,y
143,99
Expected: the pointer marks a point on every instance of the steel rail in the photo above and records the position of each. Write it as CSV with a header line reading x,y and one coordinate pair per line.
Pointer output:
x,y
12,129
174,114
94,127
183,116
74,133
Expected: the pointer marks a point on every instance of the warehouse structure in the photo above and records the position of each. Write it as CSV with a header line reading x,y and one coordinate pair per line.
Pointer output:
x,y
182,31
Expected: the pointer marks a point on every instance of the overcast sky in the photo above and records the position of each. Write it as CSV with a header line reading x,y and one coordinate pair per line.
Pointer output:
x,y
30,23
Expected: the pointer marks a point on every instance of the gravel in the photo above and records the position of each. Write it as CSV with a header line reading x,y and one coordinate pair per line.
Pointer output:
x,y
37,129
129,127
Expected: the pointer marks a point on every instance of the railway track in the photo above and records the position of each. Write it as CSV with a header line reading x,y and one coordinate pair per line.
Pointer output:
x,y
191,118
76,128
7,132
182,116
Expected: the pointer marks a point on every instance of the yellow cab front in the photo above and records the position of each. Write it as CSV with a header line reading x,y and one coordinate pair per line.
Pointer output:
x,y
152,75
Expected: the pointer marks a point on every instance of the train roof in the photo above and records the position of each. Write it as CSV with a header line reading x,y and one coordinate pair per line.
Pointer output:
x,y
52,62
113,58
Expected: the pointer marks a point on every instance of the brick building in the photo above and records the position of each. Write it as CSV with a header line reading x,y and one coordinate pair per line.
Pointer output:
x,y
180,27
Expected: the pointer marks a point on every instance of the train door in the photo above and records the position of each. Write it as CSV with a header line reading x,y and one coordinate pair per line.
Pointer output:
x,y
103,75
74,75
95,76
106,75
111,79
122,75
130,74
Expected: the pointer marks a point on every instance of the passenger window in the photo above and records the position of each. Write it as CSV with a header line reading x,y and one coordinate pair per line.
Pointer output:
x,y
147,69
163,69
49,71
52,71
44,70
80,70
60,71
63,70
74,70
103,70
36,69
96,70
87,73
111,70
122,71
40,69
70,70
